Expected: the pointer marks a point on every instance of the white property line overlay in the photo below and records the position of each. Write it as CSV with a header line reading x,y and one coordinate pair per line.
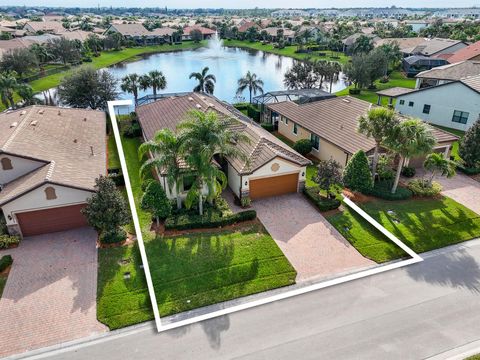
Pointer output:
x,y
415,258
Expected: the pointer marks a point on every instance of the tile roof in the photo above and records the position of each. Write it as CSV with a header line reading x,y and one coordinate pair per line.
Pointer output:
x,y
472,82
467,53
432,46
262,147
62,139
403,43
53,26
395,91
455,71
130,29
205,31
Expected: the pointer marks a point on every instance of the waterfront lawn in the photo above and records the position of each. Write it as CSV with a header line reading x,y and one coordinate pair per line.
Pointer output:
x,y
423,225
397,79
286,51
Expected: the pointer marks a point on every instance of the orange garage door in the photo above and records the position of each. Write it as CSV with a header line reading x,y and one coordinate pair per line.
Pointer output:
x,y
51,220
275,185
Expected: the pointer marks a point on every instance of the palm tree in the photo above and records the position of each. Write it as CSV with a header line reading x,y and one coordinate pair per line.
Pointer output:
x,y
436,162
8,86
25,91
130,84
144,82
204,135
166,156
408,139
377,124
206,83
158,81
250,82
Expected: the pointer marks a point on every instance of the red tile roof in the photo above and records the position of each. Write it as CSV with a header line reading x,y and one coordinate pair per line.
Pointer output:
x,y
467,53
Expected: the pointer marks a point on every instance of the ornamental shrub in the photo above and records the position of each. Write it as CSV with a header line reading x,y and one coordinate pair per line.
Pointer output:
x,y
7,241
469,148
5,262
425,188
303,146
408,171
321,202
155,201
113,236
357,175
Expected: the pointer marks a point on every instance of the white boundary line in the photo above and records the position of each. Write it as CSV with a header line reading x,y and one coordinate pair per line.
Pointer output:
x,y
415,258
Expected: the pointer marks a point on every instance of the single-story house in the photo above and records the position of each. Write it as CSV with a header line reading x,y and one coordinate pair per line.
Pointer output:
x,y
332,127
206,32
49,158
138,33
349,41
437,47
471,52
288,35
415,64
52,27
454,104
243,28
447,73
273,168
405,44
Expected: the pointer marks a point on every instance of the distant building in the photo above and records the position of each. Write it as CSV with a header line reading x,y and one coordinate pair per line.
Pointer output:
x,y
52,27
206,32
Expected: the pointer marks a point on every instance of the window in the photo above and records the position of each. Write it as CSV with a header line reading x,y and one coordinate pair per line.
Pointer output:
x,y
50,193
286,121
295,129
315,141
6,164
426,109
188,182
402,102
411,103
460,117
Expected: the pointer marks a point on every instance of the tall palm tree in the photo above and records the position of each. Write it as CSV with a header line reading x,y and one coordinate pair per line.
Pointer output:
x,y
206,83
333,72
166,156
437,163
408,139
130,84
158,81
250,82
8,86
144,82
204,135
377,124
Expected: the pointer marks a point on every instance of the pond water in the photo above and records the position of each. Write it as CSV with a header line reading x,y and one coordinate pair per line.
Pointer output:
x,y
227,64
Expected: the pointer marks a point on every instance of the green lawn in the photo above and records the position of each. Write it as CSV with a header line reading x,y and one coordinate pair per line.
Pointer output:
x,y
311,173
423,225
396,79
113,159
287,51
3,282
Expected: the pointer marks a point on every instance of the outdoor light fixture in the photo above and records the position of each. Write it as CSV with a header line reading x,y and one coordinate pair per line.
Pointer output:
x,y
9,217
303,173
246,183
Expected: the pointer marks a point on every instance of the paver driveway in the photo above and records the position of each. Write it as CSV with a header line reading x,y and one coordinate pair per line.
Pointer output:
x,y
313,246
50,296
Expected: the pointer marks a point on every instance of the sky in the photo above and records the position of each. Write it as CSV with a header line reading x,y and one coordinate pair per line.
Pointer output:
x,y
247,3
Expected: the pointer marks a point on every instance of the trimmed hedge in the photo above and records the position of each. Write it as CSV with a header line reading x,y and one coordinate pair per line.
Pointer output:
x,y
210,219
5,262
7,241
113,236
383,190
321,202
468,171
249,110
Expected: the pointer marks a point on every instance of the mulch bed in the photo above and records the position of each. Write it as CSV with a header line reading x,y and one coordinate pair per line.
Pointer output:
x,y
5,272
128,241
357,197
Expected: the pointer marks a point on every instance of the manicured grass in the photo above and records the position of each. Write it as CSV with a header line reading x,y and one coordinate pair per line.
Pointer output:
x,y
423,225
113,159
283,138
396,79
197,270
3,282
311,173
287,51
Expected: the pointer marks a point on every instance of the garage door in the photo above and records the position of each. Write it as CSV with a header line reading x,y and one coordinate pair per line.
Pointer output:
x,y
51,220
275,185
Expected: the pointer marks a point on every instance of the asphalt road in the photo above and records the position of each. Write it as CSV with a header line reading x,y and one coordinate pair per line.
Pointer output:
x,y
410,313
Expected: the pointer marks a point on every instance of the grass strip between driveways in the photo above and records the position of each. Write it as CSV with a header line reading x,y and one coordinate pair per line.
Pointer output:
x,y
423,225
3,282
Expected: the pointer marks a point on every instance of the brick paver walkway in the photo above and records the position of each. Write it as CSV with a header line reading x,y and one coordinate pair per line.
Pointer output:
x,y
50,296
313,246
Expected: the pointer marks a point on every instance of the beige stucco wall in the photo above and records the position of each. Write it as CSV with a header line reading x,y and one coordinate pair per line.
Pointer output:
x,y
287,130
21,166
36,200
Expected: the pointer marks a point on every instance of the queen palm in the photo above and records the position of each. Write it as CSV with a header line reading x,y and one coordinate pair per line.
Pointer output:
x,y
166,156
144,82
204,135
250,82
158,81
437,163
130,84
206,82
377,124
408,139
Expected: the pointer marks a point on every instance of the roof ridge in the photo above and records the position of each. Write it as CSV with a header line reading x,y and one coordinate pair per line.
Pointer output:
x,y
51,167
19,128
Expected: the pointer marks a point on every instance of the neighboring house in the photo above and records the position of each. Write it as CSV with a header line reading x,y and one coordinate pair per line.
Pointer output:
x,y
332,127
349,42
206,32
405,44
243,28
471,52
436,47
288,35
52,27
447,73
49,160
140,35
454,104
79,35
273,168
415,64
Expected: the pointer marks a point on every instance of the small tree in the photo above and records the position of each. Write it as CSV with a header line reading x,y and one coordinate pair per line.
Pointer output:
x,y
329,174
106,210
437,163
155,200
303,146
19,60
196,35
469,149
357,175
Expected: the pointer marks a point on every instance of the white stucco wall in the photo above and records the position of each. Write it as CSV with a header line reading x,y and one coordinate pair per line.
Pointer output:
x,y
20,166
37,200
444,100
173,194
234,180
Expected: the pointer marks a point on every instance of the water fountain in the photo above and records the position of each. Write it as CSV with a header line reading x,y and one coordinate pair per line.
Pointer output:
x,y
215,47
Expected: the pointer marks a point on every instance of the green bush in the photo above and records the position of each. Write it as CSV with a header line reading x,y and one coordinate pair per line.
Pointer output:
x,y
303,146
354,91
7,241
253,112
267,126
155,201
5,262
357,175
117,178
133,130
422,187
113,236
468,171
321,202
3,225
211,218
383,190
408,171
